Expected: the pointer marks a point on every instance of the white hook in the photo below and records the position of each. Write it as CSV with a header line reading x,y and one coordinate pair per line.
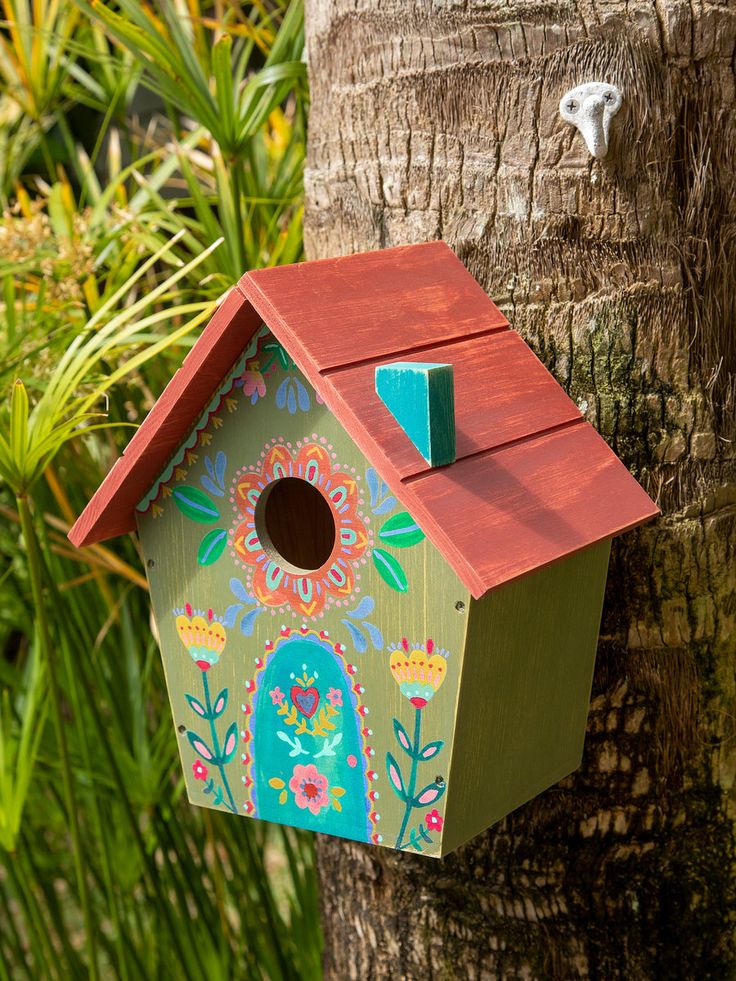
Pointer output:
x,y
591,107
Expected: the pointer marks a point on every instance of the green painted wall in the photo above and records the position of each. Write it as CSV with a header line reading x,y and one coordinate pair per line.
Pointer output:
x,y
308,750
525,693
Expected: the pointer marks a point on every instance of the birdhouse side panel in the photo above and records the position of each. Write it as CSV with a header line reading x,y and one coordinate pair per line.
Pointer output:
x,y
312,637
529,659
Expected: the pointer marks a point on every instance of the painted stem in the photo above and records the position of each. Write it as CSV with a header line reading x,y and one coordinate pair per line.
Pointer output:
x,y
35,571
413,776
215,741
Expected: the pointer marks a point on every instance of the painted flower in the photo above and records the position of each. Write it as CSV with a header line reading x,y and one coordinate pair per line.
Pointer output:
x,y
334,697
277,696
203,635
254,384
419,673
309,788
434,820
274,582
199,770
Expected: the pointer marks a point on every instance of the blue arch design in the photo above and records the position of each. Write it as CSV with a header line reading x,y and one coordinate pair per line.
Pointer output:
x,y
291,764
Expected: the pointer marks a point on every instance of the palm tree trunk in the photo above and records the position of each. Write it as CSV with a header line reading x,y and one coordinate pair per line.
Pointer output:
x,y
441,120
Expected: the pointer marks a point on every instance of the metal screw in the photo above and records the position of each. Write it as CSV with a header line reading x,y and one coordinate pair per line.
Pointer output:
x,y
572,106
182,729
150,563
460,606
608,97
440,781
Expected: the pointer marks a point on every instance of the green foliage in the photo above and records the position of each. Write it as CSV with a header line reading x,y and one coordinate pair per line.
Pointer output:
x,y
107,266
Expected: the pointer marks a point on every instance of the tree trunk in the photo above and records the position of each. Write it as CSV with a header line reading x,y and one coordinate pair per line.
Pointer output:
x,y
441,120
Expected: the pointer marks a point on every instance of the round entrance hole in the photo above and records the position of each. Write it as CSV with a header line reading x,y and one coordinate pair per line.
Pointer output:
x,y
295,524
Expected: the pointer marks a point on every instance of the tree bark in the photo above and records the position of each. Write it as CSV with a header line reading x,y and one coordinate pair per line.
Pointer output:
x,y
441,120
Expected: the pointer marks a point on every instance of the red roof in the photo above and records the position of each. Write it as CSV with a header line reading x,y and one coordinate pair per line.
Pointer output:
x,y
533,481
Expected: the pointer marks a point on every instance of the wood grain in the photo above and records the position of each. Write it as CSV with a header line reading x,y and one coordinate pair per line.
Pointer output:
x,y
337,311
526,505
502,392
525,691
111,511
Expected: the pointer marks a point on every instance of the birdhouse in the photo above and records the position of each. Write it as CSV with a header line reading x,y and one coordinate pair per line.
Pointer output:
x,y
376,533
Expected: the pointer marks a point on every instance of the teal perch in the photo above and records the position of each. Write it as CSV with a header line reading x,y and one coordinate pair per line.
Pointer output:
x,y
421,397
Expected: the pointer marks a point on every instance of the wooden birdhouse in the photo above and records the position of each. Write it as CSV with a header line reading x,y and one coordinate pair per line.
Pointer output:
x,y
376,533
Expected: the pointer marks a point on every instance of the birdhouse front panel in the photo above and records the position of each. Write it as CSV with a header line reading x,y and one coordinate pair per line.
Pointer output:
x,y
312,636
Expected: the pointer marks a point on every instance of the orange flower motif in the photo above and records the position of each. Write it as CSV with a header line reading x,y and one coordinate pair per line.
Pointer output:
x,y
276,583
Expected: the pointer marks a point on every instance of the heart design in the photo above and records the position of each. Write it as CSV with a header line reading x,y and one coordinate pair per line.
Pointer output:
x,y
305,699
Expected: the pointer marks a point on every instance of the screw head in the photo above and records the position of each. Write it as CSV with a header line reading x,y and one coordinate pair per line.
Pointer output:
x,y
608,97
182,729
460,606
151,563
571,106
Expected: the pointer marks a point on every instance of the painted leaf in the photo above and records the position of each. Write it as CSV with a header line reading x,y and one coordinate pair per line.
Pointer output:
x,y
220,704
212,546
218,798
429,795
337,805
196,705
372,479
337,791
211,486
431,750
386,505
276,783
195,505
281,393
282,797
394,776
249,620
231,615
401,531
231,743
390,570
200,746
220,465
303,397
403,737
240,592
359,641
363,609
375,635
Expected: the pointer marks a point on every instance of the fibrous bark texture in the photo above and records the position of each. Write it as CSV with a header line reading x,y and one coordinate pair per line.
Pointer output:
x,y
441,120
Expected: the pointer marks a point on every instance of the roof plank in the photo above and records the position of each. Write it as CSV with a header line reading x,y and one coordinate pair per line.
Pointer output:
x,y
524,506
332,312
111,511
503,392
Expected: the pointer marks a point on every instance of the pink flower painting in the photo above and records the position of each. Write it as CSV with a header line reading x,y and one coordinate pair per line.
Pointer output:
x,y
309,788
